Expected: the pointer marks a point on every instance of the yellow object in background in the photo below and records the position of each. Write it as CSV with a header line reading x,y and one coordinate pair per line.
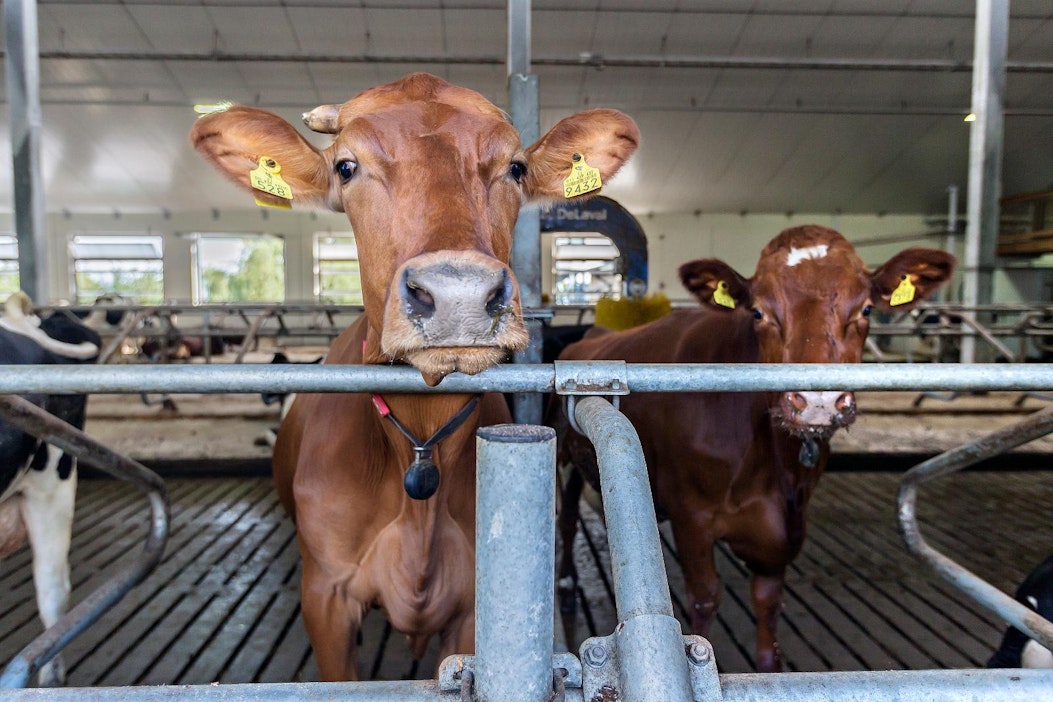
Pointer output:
x,y
627,313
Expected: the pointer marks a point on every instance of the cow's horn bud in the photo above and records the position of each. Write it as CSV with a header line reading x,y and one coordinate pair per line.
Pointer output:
x,y
323,119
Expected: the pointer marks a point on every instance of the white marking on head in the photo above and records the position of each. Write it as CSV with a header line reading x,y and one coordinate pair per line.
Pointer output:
x,y
1033,601
809,252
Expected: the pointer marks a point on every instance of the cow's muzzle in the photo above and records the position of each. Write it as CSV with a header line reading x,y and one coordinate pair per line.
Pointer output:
x,y
816,414
453,310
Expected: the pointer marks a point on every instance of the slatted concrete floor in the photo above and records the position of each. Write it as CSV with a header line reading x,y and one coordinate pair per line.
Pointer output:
x,y
223,605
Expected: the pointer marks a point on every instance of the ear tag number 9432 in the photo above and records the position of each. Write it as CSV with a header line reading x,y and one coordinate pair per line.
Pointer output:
x,y
266,178
903,293
583,178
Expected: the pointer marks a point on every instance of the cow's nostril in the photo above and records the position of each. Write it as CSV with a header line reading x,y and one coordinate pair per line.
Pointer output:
x,y
799,402
497,302
421,302
845,403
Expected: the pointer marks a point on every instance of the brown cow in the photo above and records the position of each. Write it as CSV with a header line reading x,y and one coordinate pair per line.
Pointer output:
x,y
741,466
432,177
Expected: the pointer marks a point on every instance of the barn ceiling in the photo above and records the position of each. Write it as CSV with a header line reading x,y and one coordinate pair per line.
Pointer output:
x,y
744,105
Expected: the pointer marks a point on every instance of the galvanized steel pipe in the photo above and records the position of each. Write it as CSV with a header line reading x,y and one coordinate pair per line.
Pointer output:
x,y
891,686
641,377
652,665
997,442
515,529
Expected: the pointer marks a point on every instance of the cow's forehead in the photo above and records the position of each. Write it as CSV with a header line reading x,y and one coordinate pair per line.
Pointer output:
x,y
813,259
422,96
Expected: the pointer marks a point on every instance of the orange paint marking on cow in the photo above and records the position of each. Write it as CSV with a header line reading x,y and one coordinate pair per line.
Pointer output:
x,y
740,467
432,177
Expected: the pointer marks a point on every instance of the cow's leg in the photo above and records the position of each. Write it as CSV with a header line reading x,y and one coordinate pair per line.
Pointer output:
x,y
333,620
47,508
766,591
694,544
458,637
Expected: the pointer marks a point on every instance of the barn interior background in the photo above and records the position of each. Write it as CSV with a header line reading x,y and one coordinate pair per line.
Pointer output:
x,y
754,116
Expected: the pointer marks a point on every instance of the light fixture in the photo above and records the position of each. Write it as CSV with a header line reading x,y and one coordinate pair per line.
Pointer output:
x,y
971,117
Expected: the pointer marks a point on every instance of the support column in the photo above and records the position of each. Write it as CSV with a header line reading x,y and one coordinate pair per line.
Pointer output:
x,y
526,242
23,99
985,158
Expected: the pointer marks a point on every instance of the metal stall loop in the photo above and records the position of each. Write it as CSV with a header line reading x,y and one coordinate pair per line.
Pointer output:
x,y
35,421
1026,620
644,660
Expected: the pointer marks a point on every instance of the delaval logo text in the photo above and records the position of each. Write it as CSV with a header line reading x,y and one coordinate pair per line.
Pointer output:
x,y
575,214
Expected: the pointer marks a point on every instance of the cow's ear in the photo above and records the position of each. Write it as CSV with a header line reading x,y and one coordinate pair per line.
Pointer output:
x,y
910,276
234,141
715,283
602,139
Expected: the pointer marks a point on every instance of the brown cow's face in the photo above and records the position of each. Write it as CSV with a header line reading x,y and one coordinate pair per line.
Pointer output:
x,y
432,177
810,300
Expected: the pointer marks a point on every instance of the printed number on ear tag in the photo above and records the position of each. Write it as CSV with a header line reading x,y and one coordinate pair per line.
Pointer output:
x,y
903,293
266,178
721,296
583,178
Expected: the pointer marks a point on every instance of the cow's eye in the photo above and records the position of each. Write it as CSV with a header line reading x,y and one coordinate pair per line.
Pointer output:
x,y
517,169
757,314
866,311
346,169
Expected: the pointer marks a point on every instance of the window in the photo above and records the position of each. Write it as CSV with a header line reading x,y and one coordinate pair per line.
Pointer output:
x,y
9,280
336,275
128,265
238,268
584,269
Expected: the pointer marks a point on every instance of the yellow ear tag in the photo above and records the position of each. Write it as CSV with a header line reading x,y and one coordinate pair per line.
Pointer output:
x,y
583,178
721,296
265,177
903,293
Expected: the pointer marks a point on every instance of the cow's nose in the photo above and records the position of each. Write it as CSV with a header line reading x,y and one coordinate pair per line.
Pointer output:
x,y
456,305
819,409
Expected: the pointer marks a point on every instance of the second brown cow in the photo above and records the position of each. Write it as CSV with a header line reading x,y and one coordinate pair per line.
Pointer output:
x,y
740,467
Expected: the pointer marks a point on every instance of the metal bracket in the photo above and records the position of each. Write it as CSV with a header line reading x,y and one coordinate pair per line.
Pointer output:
x,y
453,668
578,378
600,673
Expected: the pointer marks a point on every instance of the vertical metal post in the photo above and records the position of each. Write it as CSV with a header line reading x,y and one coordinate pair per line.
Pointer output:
x,y
23,99
515,562
985,157
952,232
652,666
526,242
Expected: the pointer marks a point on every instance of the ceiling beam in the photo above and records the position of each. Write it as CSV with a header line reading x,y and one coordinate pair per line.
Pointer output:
x,y
596,61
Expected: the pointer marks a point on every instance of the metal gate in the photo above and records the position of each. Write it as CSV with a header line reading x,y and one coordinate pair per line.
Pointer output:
x,y
646,658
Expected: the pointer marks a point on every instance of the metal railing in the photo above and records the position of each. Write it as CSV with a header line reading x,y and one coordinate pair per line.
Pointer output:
x,y
646,658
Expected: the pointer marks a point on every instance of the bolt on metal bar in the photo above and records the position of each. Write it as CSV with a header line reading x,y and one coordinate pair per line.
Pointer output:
x,y
1034,426
515,528
642,377
652,665
35,421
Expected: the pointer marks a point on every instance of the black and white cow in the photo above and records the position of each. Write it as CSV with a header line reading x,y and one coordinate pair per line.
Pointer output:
x,y
37,481
1017,649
